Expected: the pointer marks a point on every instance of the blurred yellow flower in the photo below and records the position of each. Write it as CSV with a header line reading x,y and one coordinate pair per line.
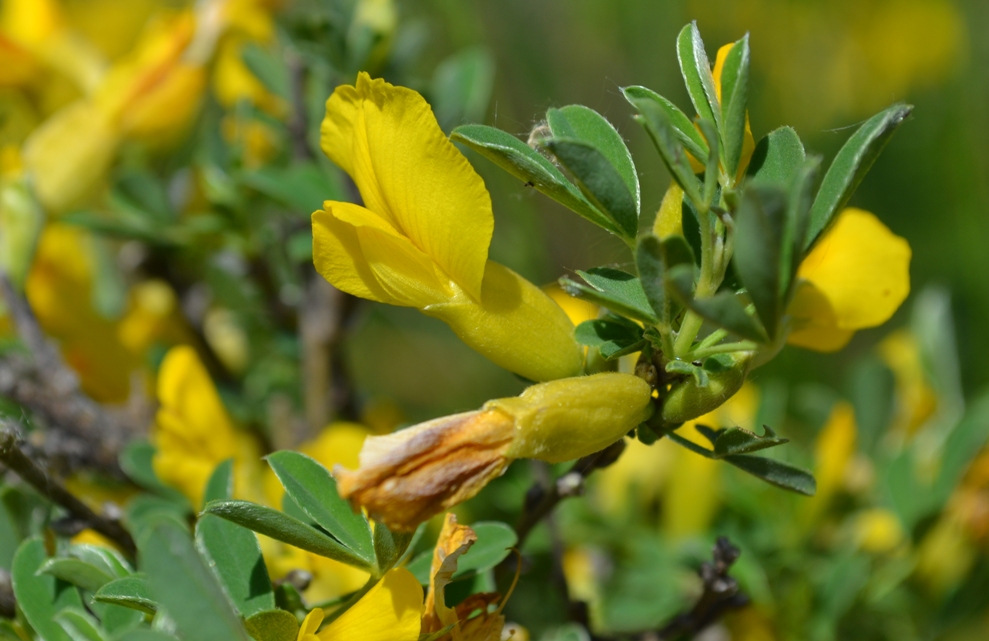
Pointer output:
x,y
916,400
856,276
193,433
421,240
833,453
390,611
878,531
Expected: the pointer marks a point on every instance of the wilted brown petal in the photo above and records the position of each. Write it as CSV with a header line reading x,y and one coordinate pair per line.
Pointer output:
x,y
406,477
453,542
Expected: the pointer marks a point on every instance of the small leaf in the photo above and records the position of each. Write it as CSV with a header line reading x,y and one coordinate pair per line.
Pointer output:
x,y
696,70
109,560
315,491
776,472
689,369
302,186
723,309
850,166
649,263
777,158
711,173
283,527
273,625
664,137
599,181
185,587
685,130
614,337
619,291
759,256
79,573
41,596
734,96
130,592
389,546
136,461
80,625
735,440
269,69
494,543
709,433
461,87
234,556
577,122
677,251
220,485
529,166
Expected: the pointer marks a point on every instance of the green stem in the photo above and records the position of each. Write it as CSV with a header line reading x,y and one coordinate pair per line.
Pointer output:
x,y
724,348
713,338
688,331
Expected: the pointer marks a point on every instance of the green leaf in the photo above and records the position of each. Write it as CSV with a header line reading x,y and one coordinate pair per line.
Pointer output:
x,y
614,337
965,440
777,473
494,543
735,94
529,166
649,263
283,527
599,181
269,69
685,130
850,166
723,309
583,124
389,546
315,491
144,634
677,251
108,560
696,70
689,369
759,256
220,485
461,87
777,158
80,625
619,291
711,173
41,596
79,573
182,583
302,187
273,625
671,150
234,555
735,440
130,592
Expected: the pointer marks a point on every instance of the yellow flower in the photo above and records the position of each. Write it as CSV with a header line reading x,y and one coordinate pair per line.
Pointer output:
x,y
421,240
878,531
407,477
916,400
833,453
390,611
193,433
856,276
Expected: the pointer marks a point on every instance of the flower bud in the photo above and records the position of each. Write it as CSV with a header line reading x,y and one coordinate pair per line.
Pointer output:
x,y
406,477
687,400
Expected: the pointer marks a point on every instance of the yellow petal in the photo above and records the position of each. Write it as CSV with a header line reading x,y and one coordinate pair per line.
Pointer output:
x,y
669,219
859,273
411,175
338,257
577,310
454,541
69,155
390,611
516,325
310,624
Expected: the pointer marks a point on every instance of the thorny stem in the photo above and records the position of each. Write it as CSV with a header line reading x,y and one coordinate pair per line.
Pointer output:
x,y
14,458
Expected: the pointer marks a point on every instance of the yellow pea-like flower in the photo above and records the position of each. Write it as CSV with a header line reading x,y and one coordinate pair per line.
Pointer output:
x,y
406,477
856,276
421,239
390,611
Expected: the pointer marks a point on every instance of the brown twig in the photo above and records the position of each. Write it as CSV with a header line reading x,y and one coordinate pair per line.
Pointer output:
x,y
541,500
14,458
81,431
721,594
